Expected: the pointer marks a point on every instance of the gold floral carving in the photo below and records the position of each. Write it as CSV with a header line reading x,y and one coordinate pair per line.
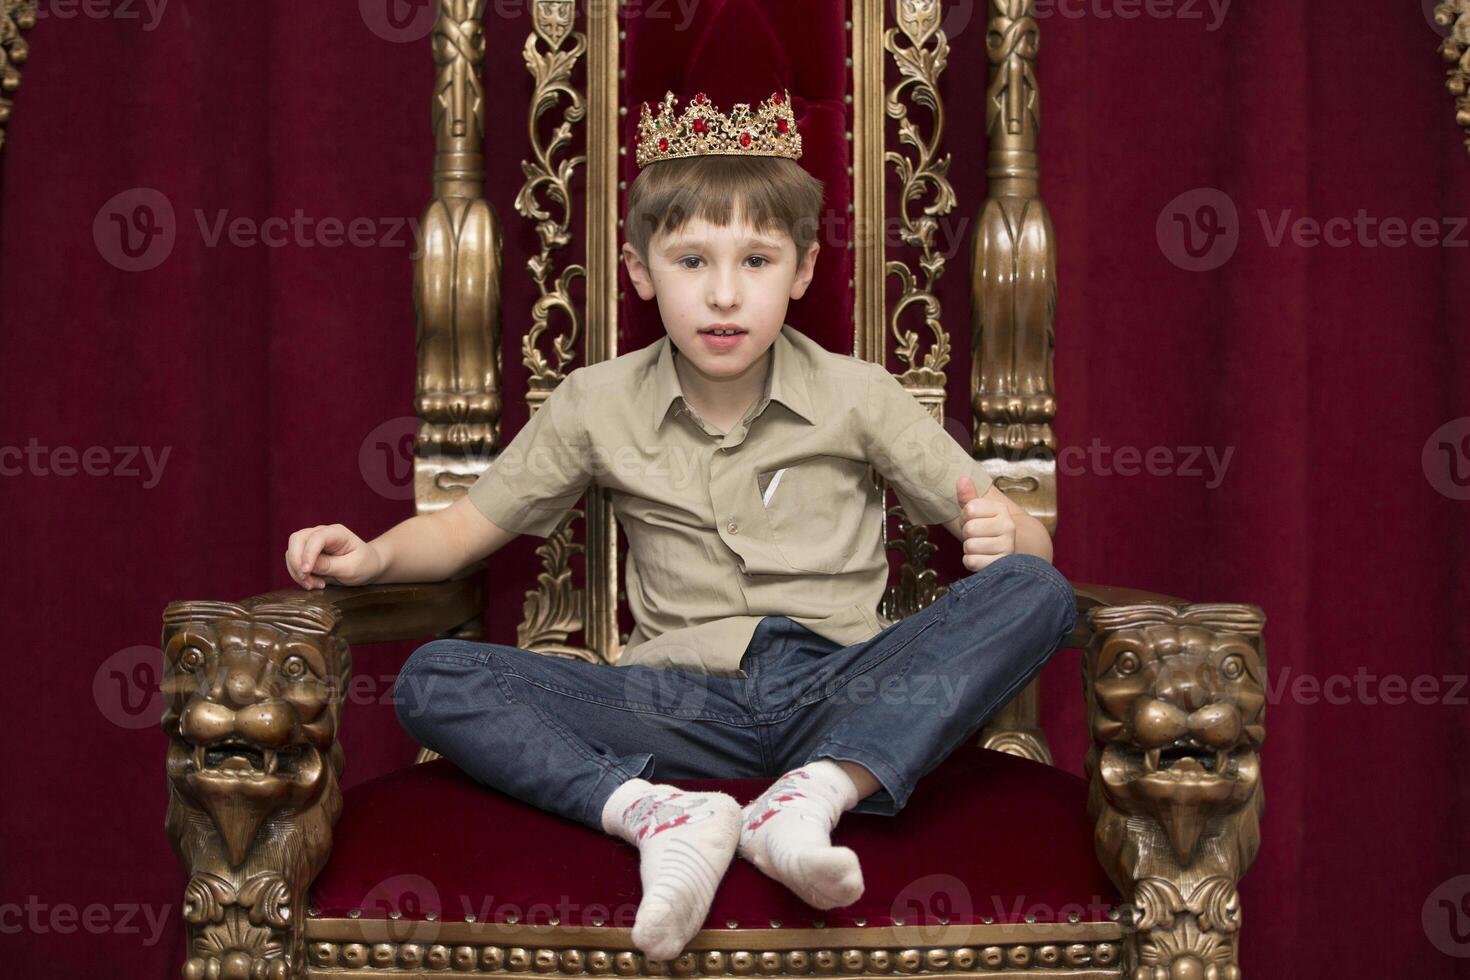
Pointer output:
x,y
1176,705
1455,49
920,58
15,16
555,609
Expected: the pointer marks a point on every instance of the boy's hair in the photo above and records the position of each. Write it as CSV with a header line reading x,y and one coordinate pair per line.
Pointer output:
x,y
773,193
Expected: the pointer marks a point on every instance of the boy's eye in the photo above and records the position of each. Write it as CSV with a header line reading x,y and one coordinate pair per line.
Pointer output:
x,y
684,262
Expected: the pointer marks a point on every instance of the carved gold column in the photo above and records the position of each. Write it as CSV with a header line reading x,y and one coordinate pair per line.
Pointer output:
x,y
1014,285
1455,49
15,16
457,276
1176,706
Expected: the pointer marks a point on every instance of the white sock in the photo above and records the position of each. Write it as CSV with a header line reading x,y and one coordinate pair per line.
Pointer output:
x,y
786,833
685,842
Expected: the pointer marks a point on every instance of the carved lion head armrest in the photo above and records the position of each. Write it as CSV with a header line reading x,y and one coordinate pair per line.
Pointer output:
x,y
1176,701
253,695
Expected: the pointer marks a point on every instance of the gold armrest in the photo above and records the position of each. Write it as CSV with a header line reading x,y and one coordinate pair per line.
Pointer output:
x,y
253,694
1175,694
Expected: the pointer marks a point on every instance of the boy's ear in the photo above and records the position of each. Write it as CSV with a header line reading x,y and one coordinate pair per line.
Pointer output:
x,y
638,272
806,269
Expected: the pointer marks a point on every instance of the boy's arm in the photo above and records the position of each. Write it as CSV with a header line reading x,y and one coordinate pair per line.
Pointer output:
x,y
1031,535
433,547
528,489
922,462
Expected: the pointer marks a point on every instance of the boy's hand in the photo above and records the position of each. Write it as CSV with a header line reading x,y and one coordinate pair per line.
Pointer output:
x,y
989,530
330,553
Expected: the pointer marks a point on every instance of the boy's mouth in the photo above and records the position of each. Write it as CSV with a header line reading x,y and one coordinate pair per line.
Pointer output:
x,y
722,330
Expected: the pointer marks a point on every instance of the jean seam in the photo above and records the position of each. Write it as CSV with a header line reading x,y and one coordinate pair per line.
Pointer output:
x,y
849,677
555,725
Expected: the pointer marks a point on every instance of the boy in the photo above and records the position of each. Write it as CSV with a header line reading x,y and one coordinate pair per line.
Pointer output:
x,y
738,453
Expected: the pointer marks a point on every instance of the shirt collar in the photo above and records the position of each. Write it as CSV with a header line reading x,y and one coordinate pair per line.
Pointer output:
x,y
785,381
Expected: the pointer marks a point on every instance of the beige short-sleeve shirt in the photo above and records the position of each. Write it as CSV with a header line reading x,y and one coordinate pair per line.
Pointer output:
x,y
778,516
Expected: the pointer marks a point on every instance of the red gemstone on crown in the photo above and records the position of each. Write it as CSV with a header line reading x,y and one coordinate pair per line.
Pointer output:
x,y
780,125
663,145
700,126
699,98
777,98
744,139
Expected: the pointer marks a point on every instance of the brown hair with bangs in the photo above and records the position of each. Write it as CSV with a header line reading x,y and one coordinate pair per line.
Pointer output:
x,y
772,193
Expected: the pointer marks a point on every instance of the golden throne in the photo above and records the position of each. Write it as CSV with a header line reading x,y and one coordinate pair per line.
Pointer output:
x,y
1026,870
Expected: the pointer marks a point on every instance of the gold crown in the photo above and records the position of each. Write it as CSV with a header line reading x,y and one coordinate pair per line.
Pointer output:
x,y
703,130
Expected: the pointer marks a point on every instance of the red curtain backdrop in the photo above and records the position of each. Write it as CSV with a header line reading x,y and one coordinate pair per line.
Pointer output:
x,y
1260,214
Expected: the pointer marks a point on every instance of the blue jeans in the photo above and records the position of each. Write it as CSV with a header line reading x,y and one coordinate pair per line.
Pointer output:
x,y
562,734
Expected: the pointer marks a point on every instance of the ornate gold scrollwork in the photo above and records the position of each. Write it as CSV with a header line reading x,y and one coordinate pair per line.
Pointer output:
x,y
555,609
920,62
1176,705
1455,49
15,16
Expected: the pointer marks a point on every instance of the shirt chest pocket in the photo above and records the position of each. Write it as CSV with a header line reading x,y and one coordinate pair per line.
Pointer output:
x,y
816,508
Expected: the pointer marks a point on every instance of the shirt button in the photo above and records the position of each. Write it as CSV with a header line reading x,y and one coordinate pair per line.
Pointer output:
x,y
733,527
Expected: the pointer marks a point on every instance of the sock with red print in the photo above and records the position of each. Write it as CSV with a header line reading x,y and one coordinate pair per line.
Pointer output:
x,y
685,842
786,833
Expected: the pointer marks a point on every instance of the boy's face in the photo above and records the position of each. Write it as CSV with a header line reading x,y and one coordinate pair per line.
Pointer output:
x,y
704,275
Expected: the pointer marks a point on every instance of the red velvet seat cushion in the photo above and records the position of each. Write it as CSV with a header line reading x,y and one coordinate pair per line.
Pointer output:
x,y
985,834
